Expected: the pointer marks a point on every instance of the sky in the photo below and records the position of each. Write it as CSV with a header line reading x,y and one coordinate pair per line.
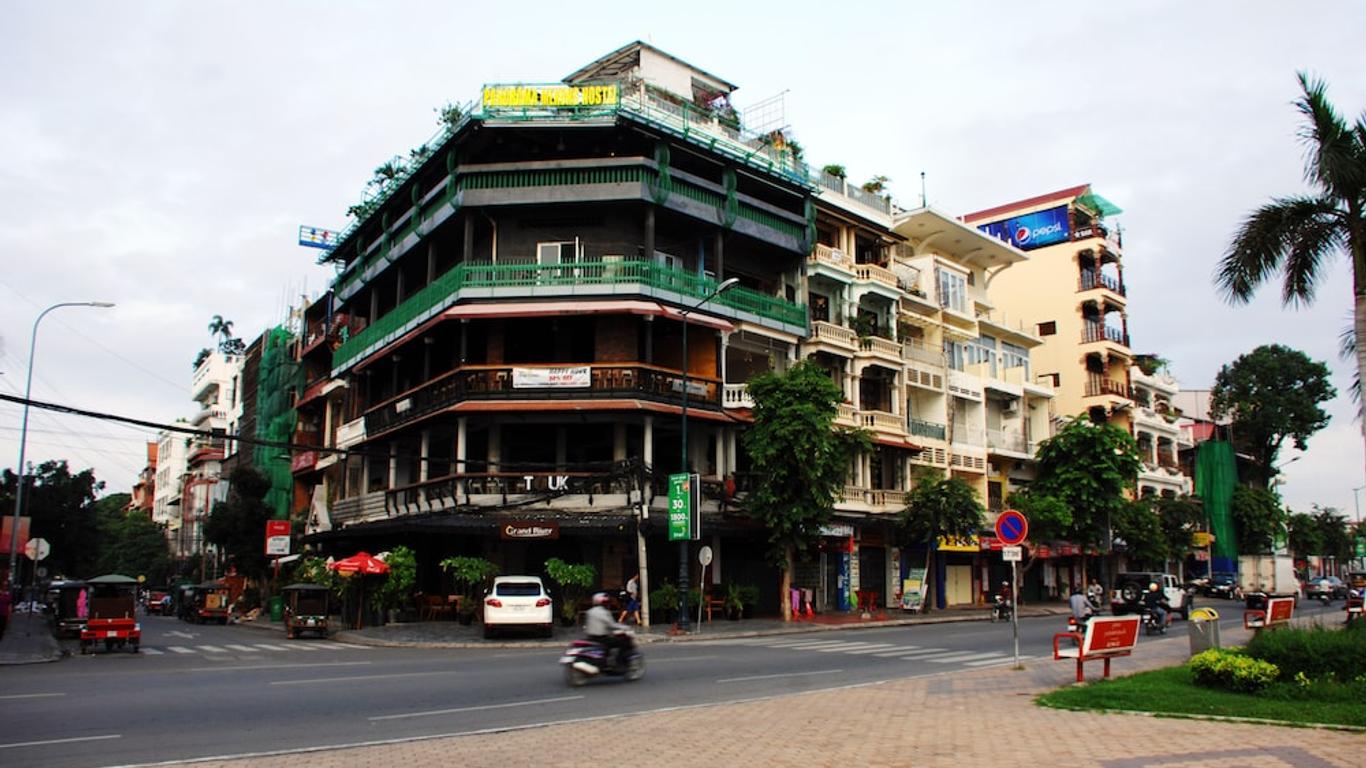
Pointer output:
x,y
162,156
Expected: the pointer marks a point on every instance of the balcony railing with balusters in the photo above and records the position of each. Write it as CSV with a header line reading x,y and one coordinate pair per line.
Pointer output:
x,y
875,274
930,429
824,254
915,349
881,421
1101,385
1091,279
1093,332
837,335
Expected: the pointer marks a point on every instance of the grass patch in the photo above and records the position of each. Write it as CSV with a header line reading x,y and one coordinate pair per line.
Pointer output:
x,y
1172,691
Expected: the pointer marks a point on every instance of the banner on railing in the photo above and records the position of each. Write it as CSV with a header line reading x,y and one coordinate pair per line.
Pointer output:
x,y
552,378
556,95
317,237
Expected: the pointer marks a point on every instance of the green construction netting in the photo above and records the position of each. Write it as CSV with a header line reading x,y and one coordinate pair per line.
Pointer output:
x,y
1097,204
1216,473
275,417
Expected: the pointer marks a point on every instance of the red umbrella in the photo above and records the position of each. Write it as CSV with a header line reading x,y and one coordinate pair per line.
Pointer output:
x,y
363,563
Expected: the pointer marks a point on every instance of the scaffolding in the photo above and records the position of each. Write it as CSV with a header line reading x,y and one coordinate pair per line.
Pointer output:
x,y
275,418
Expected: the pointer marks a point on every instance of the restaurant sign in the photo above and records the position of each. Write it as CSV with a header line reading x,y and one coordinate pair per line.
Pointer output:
x,y
526,530
549,96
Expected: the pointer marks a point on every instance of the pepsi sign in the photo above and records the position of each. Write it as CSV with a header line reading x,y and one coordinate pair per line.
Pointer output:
x,y
1033,230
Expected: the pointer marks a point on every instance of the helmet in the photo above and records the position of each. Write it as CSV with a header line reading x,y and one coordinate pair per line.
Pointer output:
x,y
1005,583
1152,586
600,598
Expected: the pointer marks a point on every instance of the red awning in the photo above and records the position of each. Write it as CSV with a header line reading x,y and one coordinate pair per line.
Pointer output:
x,y
363,563
896,442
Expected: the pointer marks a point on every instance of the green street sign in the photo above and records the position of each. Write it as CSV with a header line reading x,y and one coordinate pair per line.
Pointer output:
x,y
683,508
1361,548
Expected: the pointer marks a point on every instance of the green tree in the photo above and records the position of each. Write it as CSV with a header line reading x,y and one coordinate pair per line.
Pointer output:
x,y
799,458
237,525
1137,524
1258,517
937,508
61,506
397,591
1049,519
1273,394
1179,517
1334,532
1296,235
1304,534
228,344
130,543
1088,467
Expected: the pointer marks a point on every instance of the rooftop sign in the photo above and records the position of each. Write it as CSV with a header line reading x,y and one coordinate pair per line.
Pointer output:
x,y
551,96
1032,230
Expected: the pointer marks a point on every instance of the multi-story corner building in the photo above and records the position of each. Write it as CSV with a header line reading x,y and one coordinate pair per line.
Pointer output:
x,y
1160,437
143,498
502,355
901,318
214,390
1071,292
525,290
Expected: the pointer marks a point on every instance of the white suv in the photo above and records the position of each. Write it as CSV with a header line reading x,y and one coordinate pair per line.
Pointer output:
x,y
518,601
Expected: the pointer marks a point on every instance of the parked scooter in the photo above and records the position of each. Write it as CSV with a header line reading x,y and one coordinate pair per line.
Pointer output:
x,y
585,659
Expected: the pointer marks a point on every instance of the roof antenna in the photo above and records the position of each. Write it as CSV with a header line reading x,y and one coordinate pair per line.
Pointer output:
x,y
923,203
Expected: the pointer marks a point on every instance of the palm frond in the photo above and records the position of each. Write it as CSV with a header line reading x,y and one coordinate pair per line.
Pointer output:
x,y
1317,237
1347,350
1333,151
1264,241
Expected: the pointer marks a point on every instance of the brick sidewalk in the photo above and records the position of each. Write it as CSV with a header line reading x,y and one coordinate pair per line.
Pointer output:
x,y
985,717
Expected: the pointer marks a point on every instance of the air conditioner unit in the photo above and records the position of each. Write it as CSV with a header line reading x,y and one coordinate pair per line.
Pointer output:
x,y
1011,406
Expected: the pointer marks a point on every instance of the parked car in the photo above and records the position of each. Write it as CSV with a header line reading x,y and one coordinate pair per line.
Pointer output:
x,y
1129,589
1325,587
1220,585
518,602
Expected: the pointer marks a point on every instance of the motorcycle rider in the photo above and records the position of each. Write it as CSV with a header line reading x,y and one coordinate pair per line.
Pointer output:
x,y
1156,602
1081,607
601,628
1095,593
1003,601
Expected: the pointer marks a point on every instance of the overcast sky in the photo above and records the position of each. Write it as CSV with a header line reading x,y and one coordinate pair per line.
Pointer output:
x,y
162,155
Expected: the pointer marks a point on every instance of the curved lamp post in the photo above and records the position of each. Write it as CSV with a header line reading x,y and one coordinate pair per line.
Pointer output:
x,y
683,565
23,429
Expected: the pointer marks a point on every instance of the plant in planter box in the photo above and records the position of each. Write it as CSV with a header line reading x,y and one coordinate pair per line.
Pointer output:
x,y
664,602
575,581
749,599
469,574
735,604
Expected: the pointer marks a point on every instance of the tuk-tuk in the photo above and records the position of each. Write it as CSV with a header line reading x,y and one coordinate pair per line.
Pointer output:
x,y
68,602
211,602
305,609
184,602
113,614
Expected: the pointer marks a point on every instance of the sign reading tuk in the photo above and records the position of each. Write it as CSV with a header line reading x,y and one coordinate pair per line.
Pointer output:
x,y
552,96
524,530
684,512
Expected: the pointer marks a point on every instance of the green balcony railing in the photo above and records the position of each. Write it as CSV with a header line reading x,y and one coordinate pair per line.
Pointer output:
x,y
445,290
927,429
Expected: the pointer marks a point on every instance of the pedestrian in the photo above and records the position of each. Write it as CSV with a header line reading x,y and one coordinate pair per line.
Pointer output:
x,y
1095,593
632,600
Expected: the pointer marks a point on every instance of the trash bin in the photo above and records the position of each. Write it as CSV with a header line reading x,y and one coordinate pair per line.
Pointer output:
x,y
277,608
1203,626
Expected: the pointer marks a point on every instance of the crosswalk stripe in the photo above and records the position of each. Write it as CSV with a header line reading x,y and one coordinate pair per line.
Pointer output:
x,y
152,651
912,651
211,648
178,649
962,659
873,648
990,662
351,646
303,646
246,648
269,647
944,656
804,643
842,648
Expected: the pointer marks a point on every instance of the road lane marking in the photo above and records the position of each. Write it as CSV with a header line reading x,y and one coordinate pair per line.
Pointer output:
x,y
186,635
269,647
995,661
31,695
178,649
843,648
797,644
873,648
353,646
908,650
211,648
300,665
476,709
300,646
369,677
246,648
772,677
682,658
969,657
59,741
152,651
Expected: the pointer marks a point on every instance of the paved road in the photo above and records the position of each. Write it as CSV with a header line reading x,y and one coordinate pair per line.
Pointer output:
x,y
208,691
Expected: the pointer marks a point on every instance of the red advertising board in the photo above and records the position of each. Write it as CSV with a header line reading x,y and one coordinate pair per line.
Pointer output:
x,y
1280,610
1113,633
277,537
5,534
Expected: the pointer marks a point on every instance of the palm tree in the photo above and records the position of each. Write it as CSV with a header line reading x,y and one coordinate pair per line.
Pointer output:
x,y
220,327
1295,235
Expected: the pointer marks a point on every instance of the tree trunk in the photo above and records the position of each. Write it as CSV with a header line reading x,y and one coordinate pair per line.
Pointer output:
x,y
1359,322
785,588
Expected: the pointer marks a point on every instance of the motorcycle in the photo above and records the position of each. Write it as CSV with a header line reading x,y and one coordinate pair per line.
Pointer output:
x,y
585,659
1001,611
1151,625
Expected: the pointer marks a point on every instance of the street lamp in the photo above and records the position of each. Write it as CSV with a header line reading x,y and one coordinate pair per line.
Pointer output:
x,y
683,564
23,429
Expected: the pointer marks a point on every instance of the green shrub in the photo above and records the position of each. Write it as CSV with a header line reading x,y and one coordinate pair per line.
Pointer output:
x,y
664,599
1317,652
574,580
1231,671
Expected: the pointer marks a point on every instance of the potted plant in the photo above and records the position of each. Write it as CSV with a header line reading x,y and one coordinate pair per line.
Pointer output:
x,y
734,602
397,593
749,599
574,581
664,602
468,573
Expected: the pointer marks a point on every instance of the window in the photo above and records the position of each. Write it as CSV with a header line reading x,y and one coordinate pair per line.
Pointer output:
x,y
1053,380
953,291
1014,356
1048,329
558,253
